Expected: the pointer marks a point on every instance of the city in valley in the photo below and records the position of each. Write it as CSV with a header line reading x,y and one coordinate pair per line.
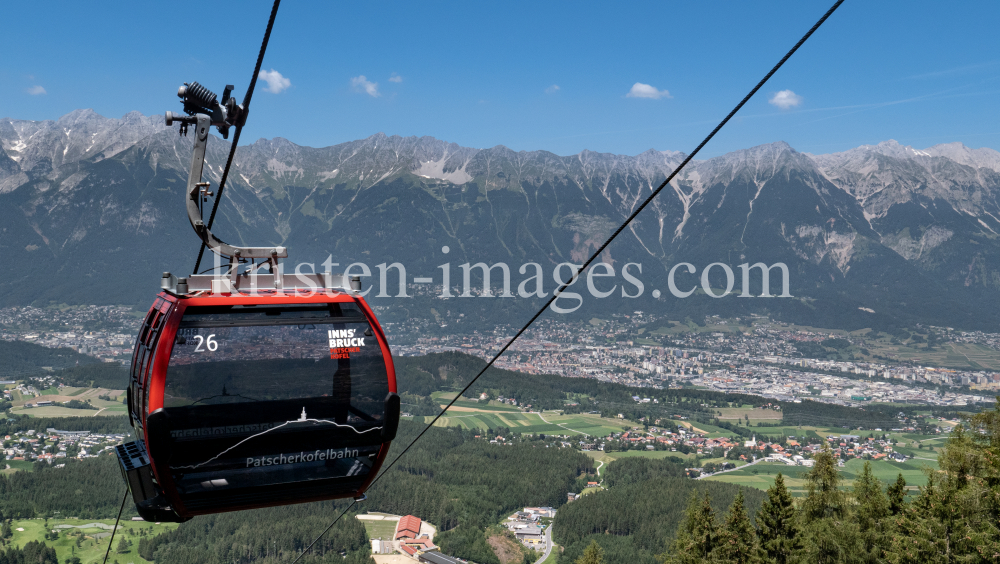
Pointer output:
x,y
757,356
927,365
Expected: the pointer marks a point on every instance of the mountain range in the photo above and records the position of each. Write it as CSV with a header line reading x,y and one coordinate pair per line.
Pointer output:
x,y
878,236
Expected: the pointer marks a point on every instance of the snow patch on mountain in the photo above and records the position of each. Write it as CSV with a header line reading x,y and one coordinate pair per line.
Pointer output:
x,y
437,169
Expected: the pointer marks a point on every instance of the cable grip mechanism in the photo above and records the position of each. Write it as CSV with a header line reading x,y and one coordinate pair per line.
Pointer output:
x,y
203,112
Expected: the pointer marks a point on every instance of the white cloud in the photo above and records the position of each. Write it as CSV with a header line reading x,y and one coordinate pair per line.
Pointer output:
x,y
36,90
275,82
395,78
640,90
362,84
552,89
785,99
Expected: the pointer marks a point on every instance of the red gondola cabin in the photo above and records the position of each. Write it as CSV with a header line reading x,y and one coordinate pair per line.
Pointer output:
x,y
252,401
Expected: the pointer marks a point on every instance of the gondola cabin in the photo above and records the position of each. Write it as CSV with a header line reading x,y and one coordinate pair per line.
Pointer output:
x,y
243,401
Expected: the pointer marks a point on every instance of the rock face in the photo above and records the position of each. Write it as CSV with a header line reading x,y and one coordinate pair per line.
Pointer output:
x,y
91,210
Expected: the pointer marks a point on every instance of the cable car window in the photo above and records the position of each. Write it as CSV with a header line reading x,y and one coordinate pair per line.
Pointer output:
x,y
140,357
154,338
263,396
270,354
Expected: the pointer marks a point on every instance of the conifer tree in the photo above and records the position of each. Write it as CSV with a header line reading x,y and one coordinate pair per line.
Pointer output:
x,y
779,535
696,535
123,547
872,504
956,517
919,537
871,512
823,496
826,542
897,495
737,539
827,536
593,554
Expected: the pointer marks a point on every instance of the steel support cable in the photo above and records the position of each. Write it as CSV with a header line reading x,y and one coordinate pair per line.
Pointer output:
x,y
239,127
119,518
596,254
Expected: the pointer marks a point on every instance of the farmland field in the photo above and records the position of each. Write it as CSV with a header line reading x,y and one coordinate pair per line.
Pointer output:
x,y
739,413
104,407
609,457
654,454
444,397
57,411
550,422
761,476
949,355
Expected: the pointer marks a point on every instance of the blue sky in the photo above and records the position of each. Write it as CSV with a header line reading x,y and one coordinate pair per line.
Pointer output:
x,y
554,76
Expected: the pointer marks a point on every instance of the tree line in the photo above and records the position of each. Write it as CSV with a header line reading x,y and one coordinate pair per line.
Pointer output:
x,y
634,521
21,359
954,518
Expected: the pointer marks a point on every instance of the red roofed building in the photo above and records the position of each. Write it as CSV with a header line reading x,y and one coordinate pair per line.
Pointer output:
x,y
408,528
412,546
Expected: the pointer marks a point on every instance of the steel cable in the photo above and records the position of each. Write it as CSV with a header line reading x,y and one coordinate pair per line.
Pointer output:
x,y
239,127
597,253
117,519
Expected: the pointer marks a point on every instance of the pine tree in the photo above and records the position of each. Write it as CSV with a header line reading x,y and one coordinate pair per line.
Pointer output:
x,y
823,496
779,535
737,539
827,536
696,535
124,546
956,517
897,495
826,542
593,554
918,536
871,515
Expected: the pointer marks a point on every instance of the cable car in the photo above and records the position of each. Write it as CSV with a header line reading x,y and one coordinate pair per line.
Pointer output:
x,y
247,391
245,402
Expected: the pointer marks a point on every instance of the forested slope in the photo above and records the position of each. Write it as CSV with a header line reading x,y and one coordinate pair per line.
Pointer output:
x,y
264,536
635,520
88,489
449,478
21,358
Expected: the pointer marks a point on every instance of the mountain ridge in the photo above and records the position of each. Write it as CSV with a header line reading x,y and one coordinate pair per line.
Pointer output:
x,y
876,227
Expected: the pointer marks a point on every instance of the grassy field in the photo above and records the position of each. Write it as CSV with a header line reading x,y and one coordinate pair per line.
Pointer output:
x,y
55,411
761,476
609,457
104,407
93,538
444,397
733,414
654,454
15,465
380,529
948,355
549,423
